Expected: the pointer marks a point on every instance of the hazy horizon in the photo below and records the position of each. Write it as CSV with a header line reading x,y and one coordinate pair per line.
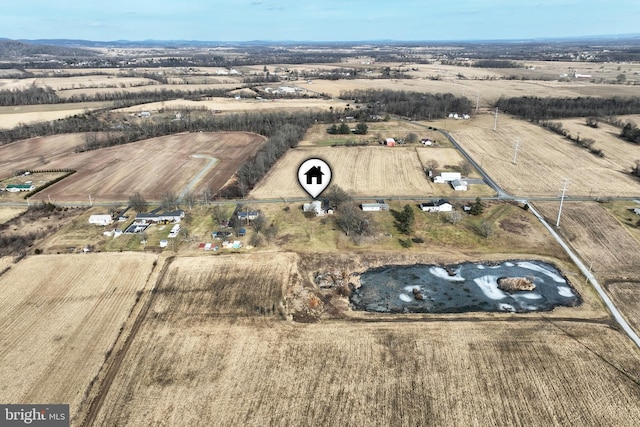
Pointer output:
x,y
328,21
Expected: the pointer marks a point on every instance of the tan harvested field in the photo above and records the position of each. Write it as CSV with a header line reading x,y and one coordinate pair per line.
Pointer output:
x,y
151,167
545,159
60,317
80,82
488,90
621,153
231,105
11,117
213,83
600,240
626,297
389,171
8,213
212,350
439,373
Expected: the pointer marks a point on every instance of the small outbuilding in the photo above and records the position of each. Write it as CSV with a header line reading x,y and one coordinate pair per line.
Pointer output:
x,y
459,185
636,211
390,142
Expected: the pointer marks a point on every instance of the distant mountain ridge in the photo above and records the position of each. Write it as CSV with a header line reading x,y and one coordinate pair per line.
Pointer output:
x,y
80,43
13,49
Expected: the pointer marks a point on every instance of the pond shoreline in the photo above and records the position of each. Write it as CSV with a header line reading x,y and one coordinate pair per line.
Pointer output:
x,y
460,288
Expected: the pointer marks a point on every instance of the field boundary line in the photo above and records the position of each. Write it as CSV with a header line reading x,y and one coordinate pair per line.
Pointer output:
x,y
118,357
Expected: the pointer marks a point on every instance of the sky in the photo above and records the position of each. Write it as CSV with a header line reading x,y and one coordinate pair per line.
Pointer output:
x,y
318,20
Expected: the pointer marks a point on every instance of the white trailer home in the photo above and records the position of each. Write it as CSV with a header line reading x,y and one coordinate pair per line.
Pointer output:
x,y
100,220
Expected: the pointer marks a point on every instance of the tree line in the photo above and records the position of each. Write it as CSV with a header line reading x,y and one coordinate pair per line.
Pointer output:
x,y
45,95
416,105
535,109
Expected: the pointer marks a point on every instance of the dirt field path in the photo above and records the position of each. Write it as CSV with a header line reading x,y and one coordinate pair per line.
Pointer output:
x,y
196,179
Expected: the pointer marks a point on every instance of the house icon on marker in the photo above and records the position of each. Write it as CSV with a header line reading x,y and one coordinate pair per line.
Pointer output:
x,y
316,173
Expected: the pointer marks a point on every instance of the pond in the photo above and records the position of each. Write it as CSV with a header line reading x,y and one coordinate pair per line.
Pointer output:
x,y
460,288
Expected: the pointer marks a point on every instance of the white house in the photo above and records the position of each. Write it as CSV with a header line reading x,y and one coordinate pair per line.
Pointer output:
x,y
459,185
438,206
636,211
315,207
100,219
427,142
445,177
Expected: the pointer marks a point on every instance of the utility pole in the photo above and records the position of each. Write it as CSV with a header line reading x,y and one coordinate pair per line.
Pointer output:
x,y
495,121
564,189
515,153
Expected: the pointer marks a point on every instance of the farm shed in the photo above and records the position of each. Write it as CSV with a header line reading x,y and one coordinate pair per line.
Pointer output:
x,y
459,185
390,142
375,207
445,177
100,219
15,188
437,206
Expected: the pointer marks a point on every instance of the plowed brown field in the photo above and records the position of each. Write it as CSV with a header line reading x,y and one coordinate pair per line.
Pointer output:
x,y
151,167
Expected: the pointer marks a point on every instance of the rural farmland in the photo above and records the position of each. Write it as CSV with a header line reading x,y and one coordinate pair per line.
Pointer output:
x,y
545,159
247,308
390,172
60,326
151,167
231,353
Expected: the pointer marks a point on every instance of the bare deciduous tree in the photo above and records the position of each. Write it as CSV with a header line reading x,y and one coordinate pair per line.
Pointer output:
x,y
170,201
190,200
138,203
454,217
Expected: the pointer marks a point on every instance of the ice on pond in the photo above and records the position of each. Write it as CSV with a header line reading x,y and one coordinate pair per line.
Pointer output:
x,y
393,288
405,298
489,286
535,267
441,273
565,291
506,307
527,295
